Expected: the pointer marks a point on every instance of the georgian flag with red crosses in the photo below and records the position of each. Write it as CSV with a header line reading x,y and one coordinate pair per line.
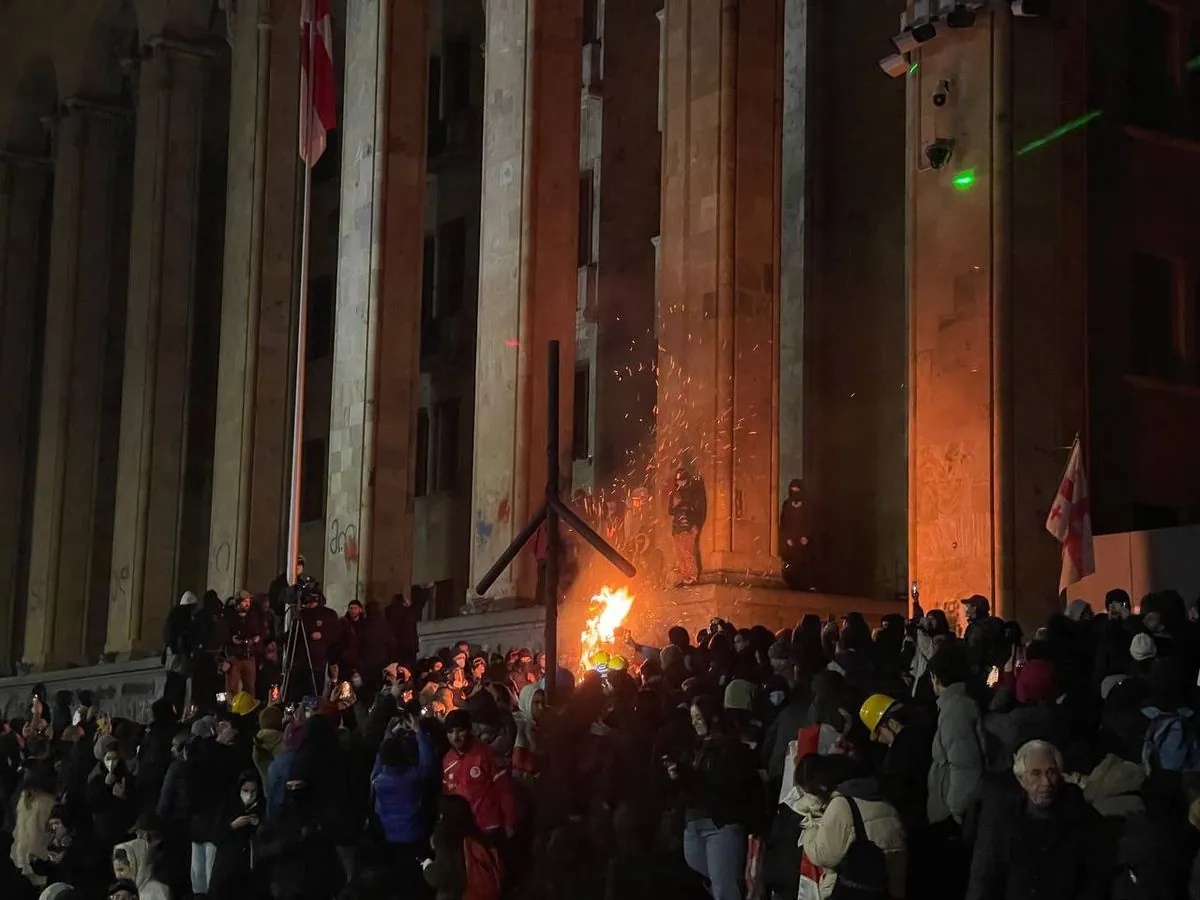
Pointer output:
x,y
1070,521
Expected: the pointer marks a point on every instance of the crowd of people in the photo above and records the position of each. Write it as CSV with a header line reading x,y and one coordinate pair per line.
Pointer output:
x,y
829,762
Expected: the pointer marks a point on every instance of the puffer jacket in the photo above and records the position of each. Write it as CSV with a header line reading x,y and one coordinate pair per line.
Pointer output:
x,y
826,839
1114,787
399,793
958,758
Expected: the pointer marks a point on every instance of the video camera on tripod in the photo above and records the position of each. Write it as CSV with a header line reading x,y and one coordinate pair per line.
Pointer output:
x,y
304,594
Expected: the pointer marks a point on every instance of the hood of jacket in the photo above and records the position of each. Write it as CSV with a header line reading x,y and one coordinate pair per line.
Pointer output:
x,y
866,788
188,599
268,741
1111,778
137,852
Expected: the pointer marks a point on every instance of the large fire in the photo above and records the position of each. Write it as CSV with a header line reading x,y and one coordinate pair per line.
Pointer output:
x,y
607,610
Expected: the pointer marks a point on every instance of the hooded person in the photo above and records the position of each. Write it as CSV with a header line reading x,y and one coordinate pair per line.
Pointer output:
x,y
527,747
795,533
131,862
268,741
234,876
110,793
178,647
1035,715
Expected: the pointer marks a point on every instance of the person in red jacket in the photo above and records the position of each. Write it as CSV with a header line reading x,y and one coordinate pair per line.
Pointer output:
x,y
469,771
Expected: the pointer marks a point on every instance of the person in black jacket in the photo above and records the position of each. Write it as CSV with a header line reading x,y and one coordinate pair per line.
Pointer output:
x,y
154,753
110,795
722,798
795,539
179,646
235,875
74,857
1039,837
688,508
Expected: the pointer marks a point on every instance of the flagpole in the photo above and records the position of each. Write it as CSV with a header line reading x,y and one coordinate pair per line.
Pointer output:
x,y
306,101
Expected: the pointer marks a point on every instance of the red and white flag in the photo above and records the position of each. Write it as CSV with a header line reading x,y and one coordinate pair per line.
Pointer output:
x,y
1070,521
318,105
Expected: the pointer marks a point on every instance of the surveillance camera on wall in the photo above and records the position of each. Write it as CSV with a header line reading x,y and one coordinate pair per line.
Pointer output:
x,y
939,152
916,34
895,65
941,94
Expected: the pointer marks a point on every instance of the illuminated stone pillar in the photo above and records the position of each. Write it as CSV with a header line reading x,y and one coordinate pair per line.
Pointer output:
x,y
252,451
81,298
162,263
718,362
528,268
377,335
23,186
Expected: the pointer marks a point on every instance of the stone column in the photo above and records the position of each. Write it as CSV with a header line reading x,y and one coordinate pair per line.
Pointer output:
x,y
157,345
630,155
252,450
795,162
528,267
23,185
718,363
80,301
377,337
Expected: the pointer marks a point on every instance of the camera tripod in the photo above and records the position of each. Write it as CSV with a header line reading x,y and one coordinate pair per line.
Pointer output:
x,y
297,636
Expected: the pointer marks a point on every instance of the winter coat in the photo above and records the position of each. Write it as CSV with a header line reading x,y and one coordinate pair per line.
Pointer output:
x,y
904,773
1022,853
475,776
279,773
268,744
1114,787
723,784
958,760
923,653
31,840
1010,727
399,794
234,873
212,767
112,816
154,759
137,852
826,839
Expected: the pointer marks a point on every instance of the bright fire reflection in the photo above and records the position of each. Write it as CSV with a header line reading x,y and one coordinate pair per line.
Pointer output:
x,y
608,610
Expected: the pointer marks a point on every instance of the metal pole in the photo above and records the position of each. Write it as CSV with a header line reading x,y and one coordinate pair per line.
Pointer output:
x,y
293,546
510,553
585,531
550,639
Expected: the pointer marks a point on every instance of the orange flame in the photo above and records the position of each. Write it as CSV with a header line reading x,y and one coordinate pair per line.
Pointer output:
x,y
609,609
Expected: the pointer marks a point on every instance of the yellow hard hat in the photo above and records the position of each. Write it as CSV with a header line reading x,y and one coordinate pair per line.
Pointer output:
x,y
243,704
616,663
874,709
599,658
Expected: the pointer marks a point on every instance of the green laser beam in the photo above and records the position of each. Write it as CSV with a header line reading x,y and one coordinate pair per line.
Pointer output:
x,y
964,180
1058,132
1192,64
912,70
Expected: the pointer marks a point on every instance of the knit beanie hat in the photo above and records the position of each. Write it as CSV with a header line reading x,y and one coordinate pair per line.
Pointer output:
x,y
204,727
1035,681
271,719
779,650
1142,647
458,719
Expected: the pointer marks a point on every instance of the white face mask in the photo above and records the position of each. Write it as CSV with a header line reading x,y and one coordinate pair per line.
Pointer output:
x,y
110,764
248,798
776,697
356,680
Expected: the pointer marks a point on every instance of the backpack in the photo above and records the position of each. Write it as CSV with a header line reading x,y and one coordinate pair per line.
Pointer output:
x,y
862,874
1172,743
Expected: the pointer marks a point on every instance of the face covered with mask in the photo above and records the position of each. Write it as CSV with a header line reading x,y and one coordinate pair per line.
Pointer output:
x,y
249,793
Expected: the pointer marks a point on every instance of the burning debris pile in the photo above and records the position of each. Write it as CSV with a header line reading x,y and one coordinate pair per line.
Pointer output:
x,y
607,611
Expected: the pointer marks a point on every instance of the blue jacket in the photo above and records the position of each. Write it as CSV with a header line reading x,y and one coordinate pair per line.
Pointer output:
x,y
278,774
398,794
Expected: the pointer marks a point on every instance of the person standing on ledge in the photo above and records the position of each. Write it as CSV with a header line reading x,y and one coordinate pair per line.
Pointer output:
x,y
794,528
688,508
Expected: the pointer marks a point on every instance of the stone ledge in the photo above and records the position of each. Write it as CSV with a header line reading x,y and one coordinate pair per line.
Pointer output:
x,y
122,689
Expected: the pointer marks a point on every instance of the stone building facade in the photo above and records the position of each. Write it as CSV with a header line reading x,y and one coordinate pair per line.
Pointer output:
x,y
721,209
